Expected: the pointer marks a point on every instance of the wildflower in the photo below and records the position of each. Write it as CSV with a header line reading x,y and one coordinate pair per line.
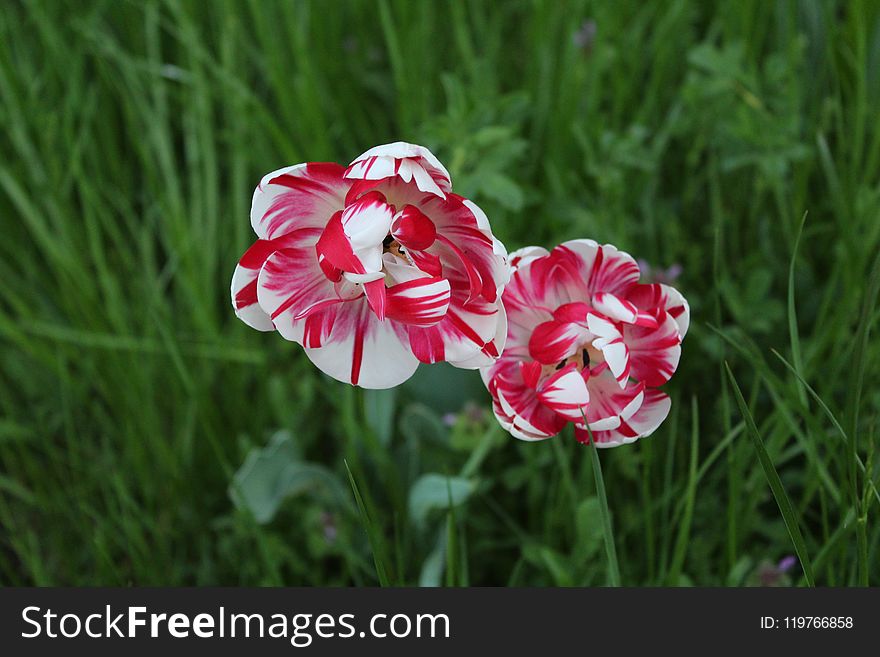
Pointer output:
x,y
586,344
373,268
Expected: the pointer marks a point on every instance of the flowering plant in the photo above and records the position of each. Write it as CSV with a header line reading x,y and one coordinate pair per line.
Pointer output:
x,y
374,268
587,344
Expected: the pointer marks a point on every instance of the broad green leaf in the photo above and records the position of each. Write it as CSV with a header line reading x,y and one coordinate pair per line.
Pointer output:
x,y
270,475
434,491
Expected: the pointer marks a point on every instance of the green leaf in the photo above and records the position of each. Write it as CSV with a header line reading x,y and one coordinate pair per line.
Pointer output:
x,y
434,491
788,513
271,474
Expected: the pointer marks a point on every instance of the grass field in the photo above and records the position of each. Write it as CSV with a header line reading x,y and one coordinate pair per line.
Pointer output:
x,y
150,438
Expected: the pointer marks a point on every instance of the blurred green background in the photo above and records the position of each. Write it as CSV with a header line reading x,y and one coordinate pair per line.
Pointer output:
x,y
149,437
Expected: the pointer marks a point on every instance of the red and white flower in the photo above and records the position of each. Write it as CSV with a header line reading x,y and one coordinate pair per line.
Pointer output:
x,y
585,341
374,268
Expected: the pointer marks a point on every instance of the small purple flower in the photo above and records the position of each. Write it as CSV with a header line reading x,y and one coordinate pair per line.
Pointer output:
x,y
786,564
449,419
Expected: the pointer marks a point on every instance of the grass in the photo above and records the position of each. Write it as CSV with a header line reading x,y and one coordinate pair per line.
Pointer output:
x,y
149,438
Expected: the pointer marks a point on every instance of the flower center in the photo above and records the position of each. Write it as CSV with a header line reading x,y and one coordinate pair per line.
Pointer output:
x,y
585,357
395,248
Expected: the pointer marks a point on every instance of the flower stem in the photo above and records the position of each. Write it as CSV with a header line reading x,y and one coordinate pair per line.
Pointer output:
x,y
610,550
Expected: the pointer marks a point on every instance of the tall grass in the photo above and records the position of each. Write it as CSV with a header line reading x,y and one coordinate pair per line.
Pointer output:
x,y
148,437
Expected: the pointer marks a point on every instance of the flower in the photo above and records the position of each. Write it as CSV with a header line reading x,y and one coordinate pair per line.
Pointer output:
x,y
374,268
585,341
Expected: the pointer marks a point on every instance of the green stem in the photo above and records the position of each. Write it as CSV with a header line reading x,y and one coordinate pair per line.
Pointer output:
x,y
610,550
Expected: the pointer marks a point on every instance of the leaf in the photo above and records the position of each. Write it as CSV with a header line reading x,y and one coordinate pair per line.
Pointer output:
x,y
788,514
434,491
271,474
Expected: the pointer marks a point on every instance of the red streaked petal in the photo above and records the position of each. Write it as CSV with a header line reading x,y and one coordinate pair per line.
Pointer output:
x,y
409,162
465,332
475,283
566,393
244,278
377,297
592,268
654,352
526,417
575,312
413,229
427,346
531,373
654,409
554,341
609,403
420,302
427,262
357,348
367,221
655,298
302,196
615,308
289,283
335,248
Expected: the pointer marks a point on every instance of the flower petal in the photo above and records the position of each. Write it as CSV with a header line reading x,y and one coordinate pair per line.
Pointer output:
x,y
657,297
352,239
654,409
291,283
359,349
244,278
413,229
552,342
566,393
420,302
467,337
522,257
409,162
526,417
301,196
654,352
596,268
609,340
615,308
609,404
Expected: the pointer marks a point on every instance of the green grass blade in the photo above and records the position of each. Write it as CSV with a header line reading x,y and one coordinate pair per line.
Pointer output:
x,y
782,500
684,529
831,417
792,310
375,542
